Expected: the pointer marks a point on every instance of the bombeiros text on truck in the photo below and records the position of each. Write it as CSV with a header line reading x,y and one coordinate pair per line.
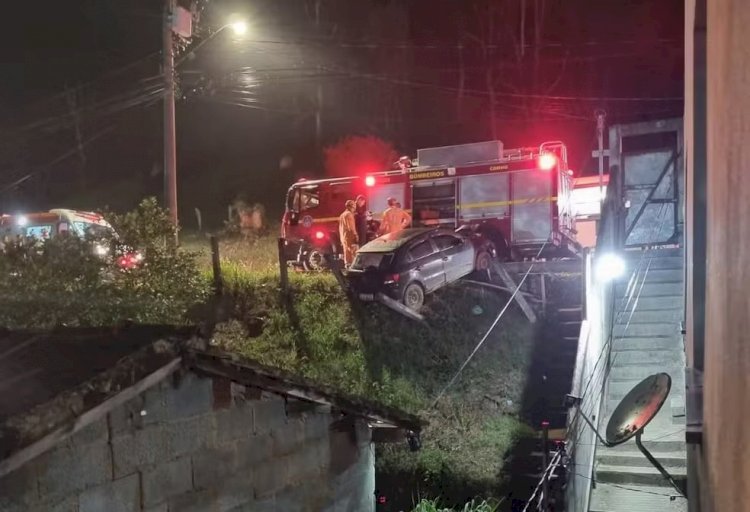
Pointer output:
x,y
520,199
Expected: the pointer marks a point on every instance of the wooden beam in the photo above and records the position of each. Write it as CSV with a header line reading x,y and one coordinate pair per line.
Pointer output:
x,y
251,373
564,267
519,297
398,307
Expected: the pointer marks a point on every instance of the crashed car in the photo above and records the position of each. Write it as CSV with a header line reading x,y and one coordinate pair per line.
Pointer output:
x,y
414,262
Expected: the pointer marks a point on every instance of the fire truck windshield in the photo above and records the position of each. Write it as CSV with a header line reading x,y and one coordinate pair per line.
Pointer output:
x,y
303,199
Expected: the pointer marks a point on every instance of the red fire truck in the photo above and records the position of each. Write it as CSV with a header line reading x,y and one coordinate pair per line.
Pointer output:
x,y
518,198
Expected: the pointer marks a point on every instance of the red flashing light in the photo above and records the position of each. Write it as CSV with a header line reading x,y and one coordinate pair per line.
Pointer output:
x,y
370,181
547,161
319,235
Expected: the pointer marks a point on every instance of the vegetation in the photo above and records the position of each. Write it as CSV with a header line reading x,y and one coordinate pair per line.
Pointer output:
x,y
472,506
62,281
314,331
369,351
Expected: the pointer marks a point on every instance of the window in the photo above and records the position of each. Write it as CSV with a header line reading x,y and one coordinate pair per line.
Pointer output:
x,y
444,242
88,229
378,260
308,199
39,232
421,250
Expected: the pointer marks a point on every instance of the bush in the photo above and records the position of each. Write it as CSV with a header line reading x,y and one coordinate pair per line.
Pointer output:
x,y
61,282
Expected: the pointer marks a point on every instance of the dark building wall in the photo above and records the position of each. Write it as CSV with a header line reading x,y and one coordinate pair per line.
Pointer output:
x,y
727,331
201,445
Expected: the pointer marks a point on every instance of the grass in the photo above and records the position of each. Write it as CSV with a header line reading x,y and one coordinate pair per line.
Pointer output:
x,y
372,352
473,506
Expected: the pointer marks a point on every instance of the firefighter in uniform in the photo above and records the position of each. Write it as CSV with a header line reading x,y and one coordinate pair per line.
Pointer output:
x,y
360,219
394,218
348,232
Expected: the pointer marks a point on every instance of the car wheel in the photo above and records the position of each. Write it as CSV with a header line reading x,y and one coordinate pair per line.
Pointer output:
x,y
414,296
315,261
483,261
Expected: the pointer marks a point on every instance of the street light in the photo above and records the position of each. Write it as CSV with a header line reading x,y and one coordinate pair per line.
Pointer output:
x,y
240,28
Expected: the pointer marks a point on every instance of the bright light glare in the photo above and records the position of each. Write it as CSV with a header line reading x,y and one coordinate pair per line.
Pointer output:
x,y
319,235
547,161
370,181
22,220
609,267
100,250
239,27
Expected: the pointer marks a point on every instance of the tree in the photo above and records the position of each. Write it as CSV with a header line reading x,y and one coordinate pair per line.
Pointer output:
x,y
357,155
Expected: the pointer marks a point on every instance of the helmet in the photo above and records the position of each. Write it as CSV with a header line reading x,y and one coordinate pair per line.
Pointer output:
x,y
391,201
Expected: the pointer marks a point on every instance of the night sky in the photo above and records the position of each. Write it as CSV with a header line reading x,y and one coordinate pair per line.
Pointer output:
x,y
81,114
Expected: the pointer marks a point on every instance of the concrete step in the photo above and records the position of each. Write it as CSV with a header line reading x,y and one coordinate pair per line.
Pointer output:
x,y
636,498
661,446
657,275
649,317
665,303
658,259
648,289
635,458
640,372
653,356
645,474
645,343
645,329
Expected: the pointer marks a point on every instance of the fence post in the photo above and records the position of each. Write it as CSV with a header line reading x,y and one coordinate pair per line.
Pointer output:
x,y
283,269
216,263
545,462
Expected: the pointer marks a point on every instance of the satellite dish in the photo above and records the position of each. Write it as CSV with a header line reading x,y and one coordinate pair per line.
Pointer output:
x,y
632,415
638,408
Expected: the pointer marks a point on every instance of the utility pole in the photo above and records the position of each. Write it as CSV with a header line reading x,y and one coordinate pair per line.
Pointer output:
x,y
319,87
601,153
170,135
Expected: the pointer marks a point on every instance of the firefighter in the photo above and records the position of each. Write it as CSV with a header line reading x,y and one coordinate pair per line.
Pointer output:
x,y
348,232
394,218
360,219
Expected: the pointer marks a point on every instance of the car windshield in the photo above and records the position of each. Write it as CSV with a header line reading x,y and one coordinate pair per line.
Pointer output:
x,y
93,230
366,260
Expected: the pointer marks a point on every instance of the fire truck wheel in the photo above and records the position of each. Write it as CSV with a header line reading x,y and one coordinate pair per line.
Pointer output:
x,y
315,261
414,296
483,261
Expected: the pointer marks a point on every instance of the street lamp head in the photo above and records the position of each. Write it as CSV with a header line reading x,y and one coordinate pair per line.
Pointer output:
x,y
239,27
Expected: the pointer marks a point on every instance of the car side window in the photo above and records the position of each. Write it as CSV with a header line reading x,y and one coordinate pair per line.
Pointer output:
x,y
444,242
421,250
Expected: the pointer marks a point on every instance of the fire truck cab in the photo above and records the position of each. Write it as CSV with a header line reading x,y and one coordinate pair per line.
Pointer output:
x,y
519,198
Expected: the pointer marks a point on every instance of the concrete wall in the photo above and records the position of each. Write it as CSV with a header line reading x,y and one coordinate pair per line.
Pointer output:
x,y
199,445
588,383
727,348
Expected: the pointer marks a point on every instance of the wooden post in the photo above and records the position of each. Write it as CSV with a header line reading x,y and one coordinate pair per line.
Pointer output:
x,y
543,291
283,269
520,299
216,263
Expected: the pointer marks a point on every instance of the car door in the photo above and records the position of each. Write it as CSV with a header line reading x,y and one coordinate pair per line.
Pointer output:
x,y
457,255
427,264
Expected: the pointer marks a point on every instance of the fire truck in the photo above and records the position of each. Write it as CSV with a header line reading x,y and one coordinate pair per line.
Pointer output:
x,y
518,198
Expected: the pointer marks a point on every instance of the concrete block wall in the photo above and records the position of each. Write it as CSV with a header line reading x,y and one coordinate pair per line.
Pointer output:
x,y
199,444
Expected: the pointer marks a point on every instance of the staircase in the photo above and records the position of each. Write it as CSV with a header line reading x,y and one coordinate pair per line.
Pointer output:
x,y
646,339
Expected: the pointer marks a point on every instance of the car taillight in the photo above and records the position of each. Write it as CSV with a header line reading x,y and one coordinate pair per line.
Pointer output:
x,y
129,261
319,235
393,278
